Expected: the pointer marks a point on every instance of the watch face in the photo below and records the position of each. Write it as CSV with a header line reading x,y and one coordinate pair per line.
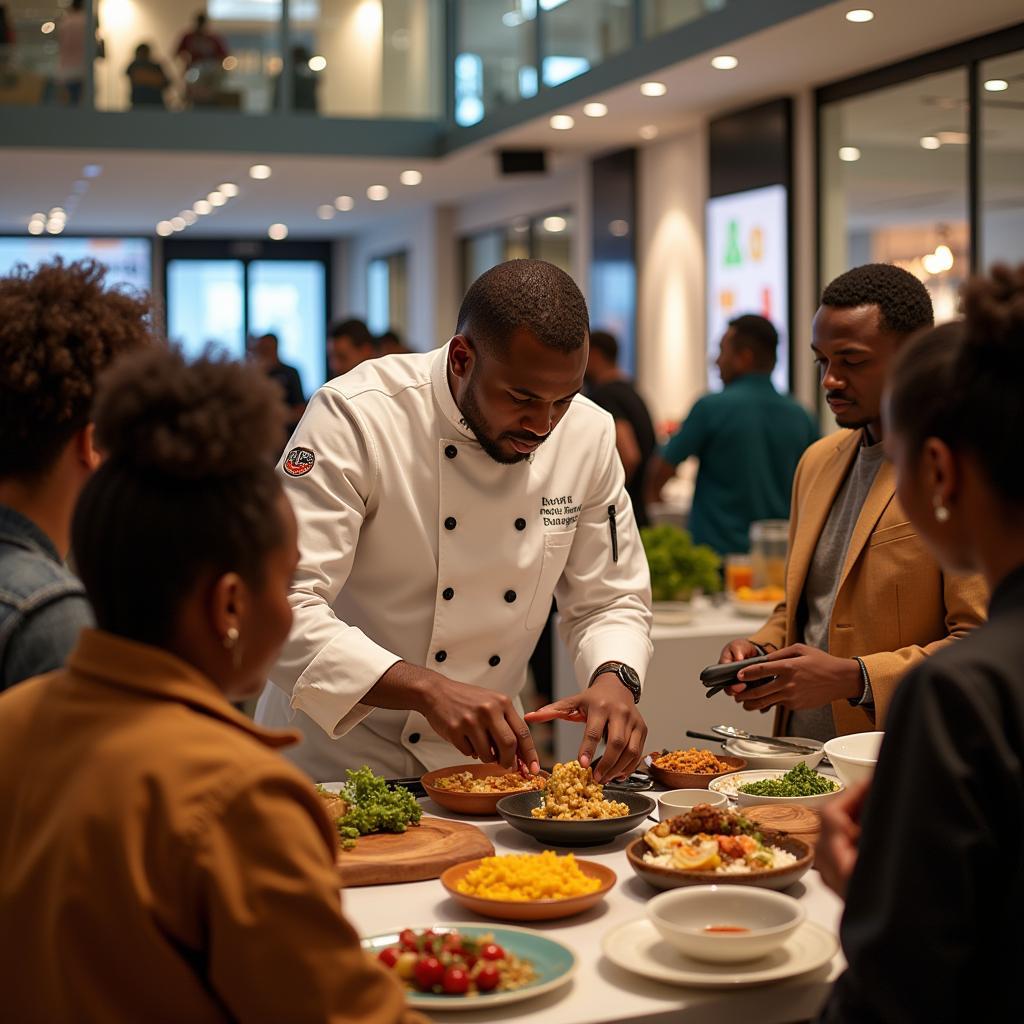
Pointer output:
x,y
630,677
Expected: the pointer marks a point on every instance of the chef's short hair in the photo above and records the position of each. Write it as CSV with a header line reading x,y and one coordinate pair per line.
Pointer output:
x,y
525,293
904,305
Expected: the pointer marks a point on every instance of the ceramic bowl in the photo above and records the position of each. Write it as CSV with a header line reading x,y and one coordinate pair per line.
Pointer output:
x,y
763,755
589,832
729,785
687,780
468,803
854,757
725,924
679,801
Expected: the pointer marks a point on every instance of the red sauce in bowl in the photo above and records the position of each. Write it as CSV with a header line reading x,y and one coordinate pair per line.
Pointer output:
x,y
726,929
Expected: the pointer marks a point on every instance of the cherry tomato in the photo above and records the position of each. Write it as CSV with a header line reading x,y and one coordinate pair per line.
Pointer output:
x,y
453,943
430,941
456,981
406,965
488,978
388,957
429,972
408,940
491,951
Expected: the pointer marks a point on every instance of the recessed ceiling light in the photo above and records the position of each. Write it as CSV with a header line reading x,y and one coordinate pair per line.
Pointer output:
x,y
325,212
618,228
202,207
229,188
229,63
562,122
178,223
344,203
555,224
317,63
724,62
849,154
189,217
55,227
164,228
649,131
58,211
36,227
217,198
595,109
654,88
260,172
997,85
410,177
930,142
860,15
47,27
278,232
92,171
378,193
41,217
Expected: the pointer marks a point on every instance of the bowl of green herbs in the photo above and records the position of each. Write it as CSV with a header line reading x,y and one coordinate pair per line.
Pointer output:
x,y
800,785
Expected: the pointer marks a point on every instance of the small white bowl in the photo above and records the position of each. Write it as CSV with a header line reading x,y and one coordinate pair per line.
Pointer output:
x,y
761,755
729,785
682,917
679,801
854,757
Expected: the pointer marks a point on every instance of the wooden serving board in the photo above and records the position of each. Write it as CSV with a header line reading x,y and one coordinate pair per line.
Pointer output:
x,y
422,851
802,822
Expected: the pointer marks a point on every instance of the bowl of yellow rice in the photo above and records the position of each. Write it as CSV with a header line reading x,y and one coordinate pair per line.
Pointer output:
x,y
528,886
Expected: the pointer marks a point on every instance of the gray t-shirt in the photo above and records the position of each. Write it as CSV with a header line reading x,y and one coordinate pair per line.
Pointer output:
x,y
819,595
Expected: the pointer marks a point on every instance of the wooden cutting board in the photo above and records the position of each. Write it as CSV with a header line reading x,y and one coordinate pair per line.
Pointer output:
x,y
422,851
802,822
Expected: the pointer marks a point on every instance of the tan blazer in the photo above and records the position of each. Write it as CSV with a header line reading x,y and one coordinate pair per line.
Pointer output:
x,y
894,605
160,862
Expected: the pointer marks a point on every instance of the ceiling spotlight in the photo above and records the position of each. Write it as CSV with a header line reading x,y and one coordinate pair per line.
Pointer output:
x,y
849,154
410,177
378,193
618,228
930,142
317,63
178,223
189,217
36,227
217,199
47,27
229,63
344,203
55,227
325,212
653,88
562,122
229,189
259,172
997,85
202,207
555,224
724,62
41,217
860,16
649,131
595,109
92,171
278,232
58,213
164,228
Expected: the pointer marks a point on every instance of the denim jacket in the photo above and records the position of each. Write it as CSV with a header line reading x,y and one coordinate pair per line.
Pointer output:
x,y
42,604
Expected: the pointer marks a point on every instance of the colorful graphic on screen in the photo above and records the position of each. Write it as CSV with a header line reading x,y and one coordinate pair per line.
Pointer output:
x,y
128,260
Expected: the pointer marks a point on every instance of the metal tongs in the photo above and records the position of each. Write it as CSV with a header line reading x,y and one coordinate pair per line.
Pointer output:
x,y
730,732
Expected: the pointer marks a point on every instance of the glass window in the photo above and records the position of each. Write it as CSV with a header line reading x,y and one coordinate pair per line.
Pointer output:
x,y
662,15
206,306
895,186
1002,159
577,34
489,248
387,294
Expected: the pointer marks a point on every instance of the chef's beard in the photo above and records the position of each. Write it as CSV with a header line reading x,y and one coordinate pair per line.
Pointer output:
x,y
474,418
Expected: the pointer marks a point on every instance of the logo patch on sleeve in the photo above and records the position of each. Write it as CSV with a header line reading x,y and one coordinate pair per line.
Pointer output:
x,y
299,461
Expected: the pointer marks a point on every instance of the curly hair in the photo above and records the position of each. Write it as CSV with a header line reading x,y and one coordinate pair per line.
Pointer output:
x,y
60,327
188,486
961,382
904,304
525,293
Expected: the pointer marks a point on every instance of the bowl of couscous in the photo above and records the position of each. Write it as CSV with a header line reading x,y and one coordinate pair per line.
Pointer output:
x,y
476,788
528,886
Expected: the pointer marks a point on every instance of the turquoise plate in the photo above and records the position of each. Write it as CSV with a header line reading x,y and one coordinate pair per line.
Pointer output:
x,y
553,962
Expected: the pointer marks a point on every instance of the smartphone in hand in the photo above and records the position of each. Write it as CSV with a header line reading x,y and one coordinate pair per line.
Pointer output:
x,y
718,677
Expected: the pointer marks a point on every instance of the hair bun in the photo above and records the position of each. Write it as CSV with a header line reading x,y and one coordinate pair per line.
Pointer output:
x,y
994,312
194,421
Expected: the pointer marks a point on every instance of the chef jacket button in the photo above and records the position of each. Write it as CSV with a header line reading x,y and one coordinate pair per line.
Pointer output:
x,y
440,656
510,596
414,737
493,660
450,523
520,524
451,451
448,593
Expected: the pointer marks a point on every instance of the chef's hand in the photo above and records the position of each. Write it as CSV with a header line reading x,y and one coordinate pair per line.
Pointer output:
x,y
738,650
608,710
836,852
805,677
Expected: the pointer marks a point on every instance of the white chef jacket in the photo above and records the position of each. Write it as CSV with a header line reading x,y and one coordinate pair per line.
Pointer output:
x,y
416,546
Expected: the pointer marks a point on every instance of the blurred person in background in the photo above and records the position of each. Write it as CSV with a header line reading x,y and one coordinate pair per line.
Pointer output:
x,y
159,860
305,82
203,53
747,438
60,327
390,344
147,78
865,600
611,389
71,52
264,351
930,862
349,343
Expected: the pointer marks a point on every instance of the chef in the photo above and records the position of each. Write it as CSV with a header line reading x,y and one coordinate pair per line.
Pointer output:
x,y
442,499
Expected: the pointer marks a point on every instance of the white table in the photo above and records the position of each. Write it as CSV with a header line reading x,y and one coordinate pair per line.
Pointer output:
x,y
602,993
673,699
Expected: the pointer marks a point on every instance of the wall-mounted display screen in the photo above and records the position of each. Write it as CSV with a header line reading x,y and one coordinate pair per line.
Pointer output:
x,y
748,269
128,260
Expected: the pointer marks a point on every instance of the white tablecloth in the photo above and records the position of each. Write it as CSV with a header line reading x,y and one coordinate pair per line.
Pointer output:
x,y
602,993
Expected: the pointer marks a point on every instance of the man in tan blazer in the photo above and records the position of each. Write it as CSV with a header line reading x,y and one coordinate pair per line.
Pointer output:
x,y
864,599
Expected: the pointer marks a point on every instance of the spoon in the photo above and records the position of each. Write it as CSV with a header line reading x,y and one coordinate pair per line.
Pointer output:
x,y
732,733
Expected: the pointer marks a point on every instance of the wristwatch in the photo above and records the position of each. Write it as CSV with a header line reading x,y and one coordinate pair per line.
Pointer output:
x,y
627,676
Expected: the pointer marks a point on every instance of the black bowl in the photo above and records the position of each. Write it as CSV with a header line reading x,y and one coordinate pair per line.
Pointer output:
x,y
515,809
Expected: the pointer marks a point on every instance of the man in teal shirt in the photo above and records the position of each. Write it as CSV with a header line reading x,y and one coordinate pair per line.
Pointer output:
x,y
748,438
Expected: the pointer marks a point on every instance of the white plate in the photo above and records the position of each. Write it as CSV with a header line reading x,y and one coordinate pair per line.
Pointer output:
x,y
754,609
637,947
728,784
761,755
